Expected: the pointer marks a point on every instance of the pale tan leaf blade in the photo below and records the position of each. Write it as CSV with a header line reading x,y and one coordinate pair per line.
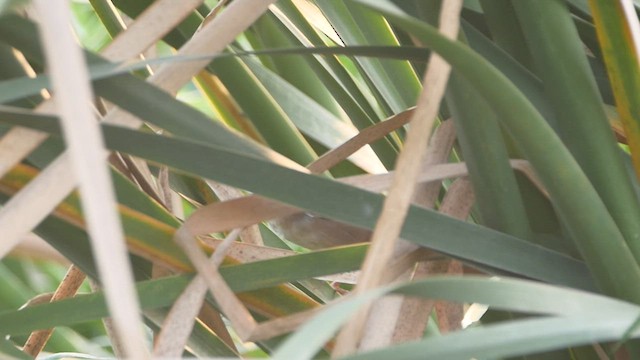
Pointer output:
x,y
86,149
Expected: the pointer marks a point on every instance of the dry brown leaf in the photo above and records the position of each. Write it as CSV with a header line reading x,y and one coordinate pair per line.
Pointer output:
x,y
67,288
87,153
415,312
437,153
178,324
212,319
250,234
387,313
247,253
364,137
233,309
450,314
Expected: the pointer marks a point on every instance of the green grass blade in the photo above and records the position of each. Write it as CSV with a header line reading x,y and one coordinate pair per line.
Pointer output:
x,y
108,16
506,30
311,118
480,137
510,339
524,79
486,342
357,27
583,125
10,351
494,182
296,71
266,115
337,79
357,207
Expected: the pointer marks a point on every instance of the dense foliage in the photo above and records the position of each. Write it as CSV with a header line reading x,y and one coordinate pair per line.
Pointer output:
x,y
277,137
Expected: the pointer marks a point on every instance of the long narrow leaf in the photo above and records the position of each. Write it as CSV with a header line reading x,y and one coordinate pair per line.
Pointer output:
x,y
358,207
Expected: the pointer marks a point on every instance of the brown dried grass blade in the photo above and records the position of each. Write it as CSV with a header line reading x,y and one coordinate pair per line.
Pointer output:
x,y
437,153
364,137
409,162
152,25
233,309
415,313
250,234
87,153
67,288
178,324
246,252
457,203
386,313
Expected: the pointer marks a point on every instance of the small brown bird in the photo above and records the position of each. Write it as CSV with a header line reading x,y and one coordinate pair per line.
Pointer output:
x,y
316,232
